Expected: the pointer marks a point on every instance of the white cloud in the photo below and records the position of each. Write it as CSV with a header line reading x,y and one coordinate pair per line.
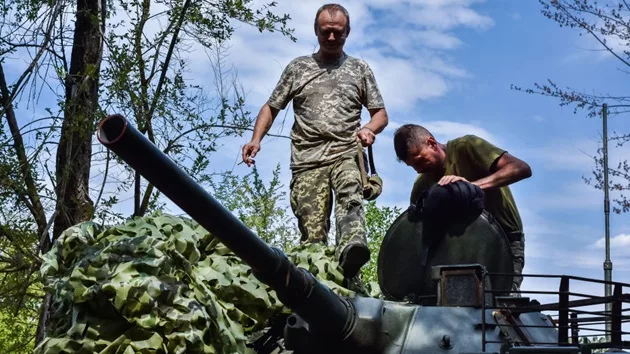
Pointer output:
x,y
538,118
450,130
570,196
446,130
406,53
565,155
448,17
567,245
576,158
407,81
619,241
436,39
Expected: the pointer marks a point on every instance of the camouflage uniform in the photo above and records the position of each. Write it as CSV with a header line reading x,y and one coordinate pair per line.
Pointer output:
x,y
311,201
327,101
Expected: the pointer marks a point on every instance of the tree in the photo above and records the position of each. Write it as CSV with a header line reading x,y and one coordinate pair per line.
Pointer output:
x,y
260,207
146,81
608,23
17,333
71,180
46,162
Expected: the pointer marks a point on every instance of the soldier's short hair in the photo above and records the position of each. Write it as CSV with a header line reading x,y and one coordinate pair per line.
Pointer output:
x,y
407,136
332,10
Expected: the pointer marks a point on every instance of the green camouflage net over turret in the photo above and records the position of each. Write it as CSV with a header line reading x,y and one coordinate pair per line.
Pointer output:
x,y
160,284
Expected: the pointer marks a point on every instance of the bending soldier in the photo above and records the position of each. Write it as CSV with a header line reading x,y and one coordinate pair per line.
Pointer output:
x,y
468,158
329,89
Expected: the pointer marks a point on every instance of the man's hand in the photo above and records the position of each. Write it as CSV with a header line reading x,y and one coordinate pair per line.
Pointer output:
x,y
450,179
263,122
249,152
366,136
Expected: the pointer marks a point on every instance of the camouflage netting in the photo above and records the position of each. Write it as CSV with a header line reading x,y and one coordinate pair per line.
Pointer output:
x,y
160,284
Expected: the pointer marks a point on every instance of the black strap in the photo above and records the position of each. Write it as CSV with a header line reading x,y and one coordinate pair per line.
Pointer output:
x,y
515,236
362,165
371,160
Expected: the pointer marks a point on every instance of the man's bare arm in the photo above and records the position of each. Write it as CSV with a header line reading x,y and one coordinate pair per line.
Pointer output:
x,y
507,170
378,120
264,121
377,124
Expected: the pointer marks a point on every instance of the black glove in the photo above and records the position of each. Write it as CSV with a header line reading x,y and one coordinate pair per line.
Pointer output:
x,y
467,200
450,203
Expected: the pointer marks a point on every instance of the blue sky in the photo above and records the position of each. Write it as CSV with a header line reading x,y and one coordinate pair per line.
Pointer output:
x,y
449,65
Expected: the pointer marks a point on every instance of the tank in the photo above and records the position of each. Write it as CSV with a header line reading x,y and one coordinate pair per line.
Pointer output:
x,y
452,296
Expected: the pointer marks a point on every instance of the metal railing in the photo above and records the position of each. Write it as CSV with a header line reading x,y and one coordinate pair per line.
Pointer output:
x,y
575,315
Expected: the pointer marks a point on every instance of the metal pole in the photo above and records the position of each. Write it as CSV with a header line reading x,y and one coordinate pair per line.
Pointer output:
x,y
607,263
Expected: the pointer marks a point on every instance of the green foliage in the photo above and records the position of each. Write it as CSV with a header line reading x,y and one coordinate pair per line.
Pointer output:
x,y
377,220
22,11
160,284
594,340
20,289
146,80
259,206
143,74
211,19
17,332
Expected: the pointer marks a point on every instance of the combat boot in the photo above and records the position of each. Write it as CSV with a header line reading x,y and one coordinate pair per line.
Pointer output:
x,y
353,257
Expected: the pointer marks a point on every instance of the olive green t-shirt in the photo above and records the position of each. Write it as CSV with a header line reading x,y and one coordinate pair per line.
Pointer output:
x,y
327,101
472,157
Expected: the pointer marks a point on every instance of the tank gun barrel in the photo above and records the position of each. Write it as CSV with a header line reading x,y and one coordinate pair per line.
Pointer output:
x,y
324,311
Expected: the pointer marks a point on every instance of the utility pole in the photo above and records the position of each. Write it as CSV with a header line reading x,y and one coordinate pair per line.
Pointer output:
x,y
607,263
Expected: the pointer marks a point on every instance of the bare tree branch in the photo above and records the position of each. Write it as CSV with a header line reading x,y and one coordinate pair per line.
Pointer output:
x,y
562,6
43,48
156,97
35,205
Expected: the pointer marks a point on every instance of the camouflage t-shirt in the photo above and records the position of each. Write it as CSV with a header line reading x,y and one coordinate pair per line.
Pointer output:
x,y
327,101
472,157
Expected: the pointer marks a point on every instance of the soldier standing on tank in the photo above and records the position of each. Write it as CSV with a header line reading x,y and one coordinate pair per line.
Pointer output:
x,y
329,89
475,160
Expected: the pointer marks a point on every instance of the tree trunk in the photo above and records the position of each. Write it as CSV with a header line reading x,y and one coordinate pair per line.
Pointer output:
x,y
75,144
81,111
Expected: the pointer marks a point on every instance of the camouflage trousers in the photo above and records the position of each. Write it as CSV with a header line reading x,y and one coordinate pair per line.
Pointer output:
x,y
518,252
312,203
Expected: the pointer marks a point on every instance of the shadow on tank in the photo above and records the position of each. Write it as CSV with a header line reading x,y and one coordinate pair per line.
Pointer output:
x,y
410,249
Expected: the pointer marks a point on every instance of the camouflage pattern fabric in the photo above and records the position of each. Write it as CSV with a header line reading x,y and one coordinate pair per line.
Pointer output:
x,y
312,199
160,284
327,101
